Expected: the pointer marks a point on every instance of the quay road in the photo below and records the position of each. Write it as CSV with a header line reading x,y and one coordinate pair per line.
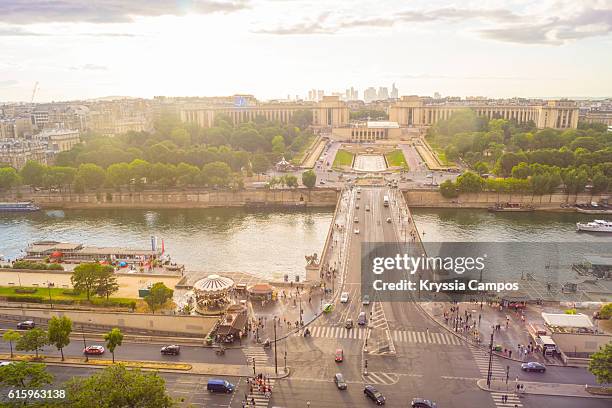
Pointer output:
x,y
427,361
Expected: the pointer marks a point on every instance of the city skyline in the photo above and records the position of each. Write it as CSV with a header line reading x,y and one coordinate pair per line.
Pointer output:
x,y
195,48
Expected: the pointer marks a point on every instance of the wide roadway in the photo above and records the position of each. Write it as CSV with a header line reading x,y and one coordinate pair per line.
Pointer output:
x,y
446,373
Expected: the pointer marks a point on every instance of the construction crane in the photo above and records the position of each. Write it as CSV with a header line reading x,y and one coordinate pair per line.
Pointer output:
x,y
34,92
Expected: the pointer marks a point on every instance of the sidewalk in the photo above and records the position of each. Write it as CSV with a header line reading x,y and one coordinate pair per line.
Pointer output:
x,y
538,388
511,333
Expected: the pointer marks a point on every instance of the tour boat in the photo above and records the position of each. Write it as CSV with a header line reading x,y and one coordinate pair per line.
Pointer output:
x,y
511,207
595,226
19,207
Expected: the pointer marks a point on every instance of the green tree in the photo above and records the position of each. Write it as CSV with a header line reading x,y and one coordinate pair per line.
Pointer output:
x,y
448,189
8,178
11,336
260,163
106,284
601,364
309,178
118,387
290,181
32,173
113,339
600,183
481,168
92,175
469,182
158,295
33,340
217,174
118,174
59,332
278,144
605,312
86,277
24,375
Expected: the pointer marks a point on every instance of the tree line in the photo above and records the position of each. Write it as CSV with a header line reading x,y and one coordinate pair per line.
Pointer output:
x,y
174,154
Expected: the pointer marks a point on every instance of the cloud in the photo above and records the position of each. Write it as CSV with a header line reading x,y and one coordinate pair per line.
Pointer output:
x,y
90,67
8,82
108,11
582,24
556,25
10,31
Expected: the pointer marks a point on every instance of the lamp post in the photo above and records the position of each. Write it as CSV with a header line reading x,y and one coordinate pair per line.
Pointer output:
x,y
84,342
489,371
275,355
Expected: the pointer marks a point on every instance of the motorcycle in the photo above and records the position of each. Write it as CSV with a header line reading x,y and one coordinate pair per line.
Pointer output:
x,y
267,344
220,351
306,332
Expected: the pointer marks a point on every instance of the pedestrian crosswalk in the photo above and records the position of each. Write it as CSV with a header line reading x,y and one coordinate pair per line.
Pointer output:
x,y
398,336
511,402
261,399
378,319
256,353
378,377
482,362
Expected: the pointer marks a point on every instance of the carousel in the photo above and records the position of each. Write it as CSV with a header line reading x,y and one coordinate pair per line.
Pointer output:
x,y
212,294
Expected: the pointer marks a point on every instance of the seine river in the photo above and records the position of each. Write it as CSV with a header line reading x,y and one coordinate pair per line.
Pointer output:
x,y
266,243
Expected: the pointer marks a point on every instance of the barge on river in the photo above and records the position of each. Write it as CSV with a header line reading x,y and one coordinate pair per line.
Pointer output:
x,y
511,207
26,206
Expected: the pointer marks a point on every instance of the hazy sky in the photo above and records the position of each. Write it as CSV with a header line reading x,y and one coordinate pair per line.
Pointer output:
x,y
272,48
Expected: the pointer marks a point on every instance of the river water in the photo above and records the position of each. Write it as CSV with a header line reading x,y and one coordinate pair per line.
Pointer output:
x,y
265,243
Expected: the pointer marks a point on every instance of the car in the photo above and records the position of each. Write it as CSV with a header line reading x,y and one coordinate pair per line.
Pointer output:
x,y
321,182
348,324
389,220
358,197
219,385
356,231
340,382
26,325
367,208
172,350
357,206
361,319
93,350
365,300
5,363
358,189
356,220
328,308
344,297
422,403
533,366
339,357
373,394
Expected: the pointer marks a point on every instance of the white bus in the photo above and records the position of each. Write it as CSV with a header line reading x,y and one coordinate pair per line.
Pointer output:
x,y
386,201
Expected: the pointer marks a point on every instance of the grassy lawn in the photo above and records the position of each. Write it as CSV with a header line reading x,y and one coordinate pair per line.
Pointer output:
x,y
299,156
61,295
442,157
396,159
343,158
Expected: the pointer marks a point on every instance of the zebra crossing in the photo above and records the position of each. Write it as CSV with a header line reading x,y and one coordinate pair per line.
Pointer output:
x,y
378,320
378,377
399,336
482,362
256,353
513,400
260,398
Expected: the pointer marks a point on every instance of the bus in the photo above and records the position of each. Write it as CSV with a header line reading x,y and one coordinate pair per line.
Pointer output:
x,y
386,201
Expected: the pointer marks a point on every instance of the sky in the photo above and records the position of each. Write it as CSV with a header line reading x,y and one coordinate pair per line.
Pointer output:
x,y
80,49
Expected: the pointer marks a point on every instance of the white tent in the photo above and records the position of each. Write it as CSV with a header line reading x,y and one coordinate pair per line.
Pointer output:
x,y
567,320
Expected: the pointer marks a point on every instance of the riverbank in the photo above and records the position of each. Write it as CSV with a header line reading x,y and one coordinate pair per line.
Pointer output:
x,y
285,198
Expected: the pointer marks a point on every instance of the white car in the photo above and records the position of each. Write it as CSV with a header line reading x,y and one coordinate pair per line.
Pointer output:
x,y
389,220
5,363
356,220
344,297
356,230
365,300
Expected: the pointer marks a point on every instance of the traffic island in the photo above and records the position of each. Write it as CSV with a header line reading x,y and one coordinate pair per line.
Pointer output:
x,y
540,388
151,365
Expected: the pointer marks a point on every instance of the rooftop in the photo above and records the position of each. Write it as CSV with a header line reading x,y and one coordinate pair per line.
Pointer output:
x,y
567,320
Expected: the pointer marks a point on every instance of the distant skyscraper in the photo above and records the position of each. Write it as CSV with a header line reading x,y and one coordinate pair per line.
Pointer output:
x,y
320,94
383,93
369,94
394,92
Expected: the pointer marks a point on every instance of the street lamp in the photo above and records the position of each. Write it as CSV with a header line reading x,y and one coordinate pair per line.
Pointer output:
x,y
490,370
84,342
275,356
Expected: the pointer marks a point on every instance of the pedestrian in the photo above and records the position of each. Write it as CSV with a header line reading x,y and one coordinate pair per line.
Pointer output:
x,y
509,353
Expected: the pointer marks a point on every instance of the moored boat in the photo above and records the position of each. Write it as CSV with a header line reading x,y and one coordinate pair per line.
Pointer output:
x,y
26,206
511,207
595,226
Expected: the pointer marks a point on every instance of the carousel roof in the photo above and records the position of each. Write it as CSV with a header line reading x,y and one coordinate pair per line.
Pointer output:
x,y
214,283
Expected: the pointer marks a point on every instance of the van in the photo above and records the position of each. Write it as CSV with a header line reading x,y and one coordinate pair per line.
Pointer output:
x,y
218,385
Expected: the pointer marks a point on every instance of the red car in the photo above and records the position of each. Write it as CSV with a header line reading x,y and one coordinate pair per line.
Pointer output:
x,y
93,350
339,355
